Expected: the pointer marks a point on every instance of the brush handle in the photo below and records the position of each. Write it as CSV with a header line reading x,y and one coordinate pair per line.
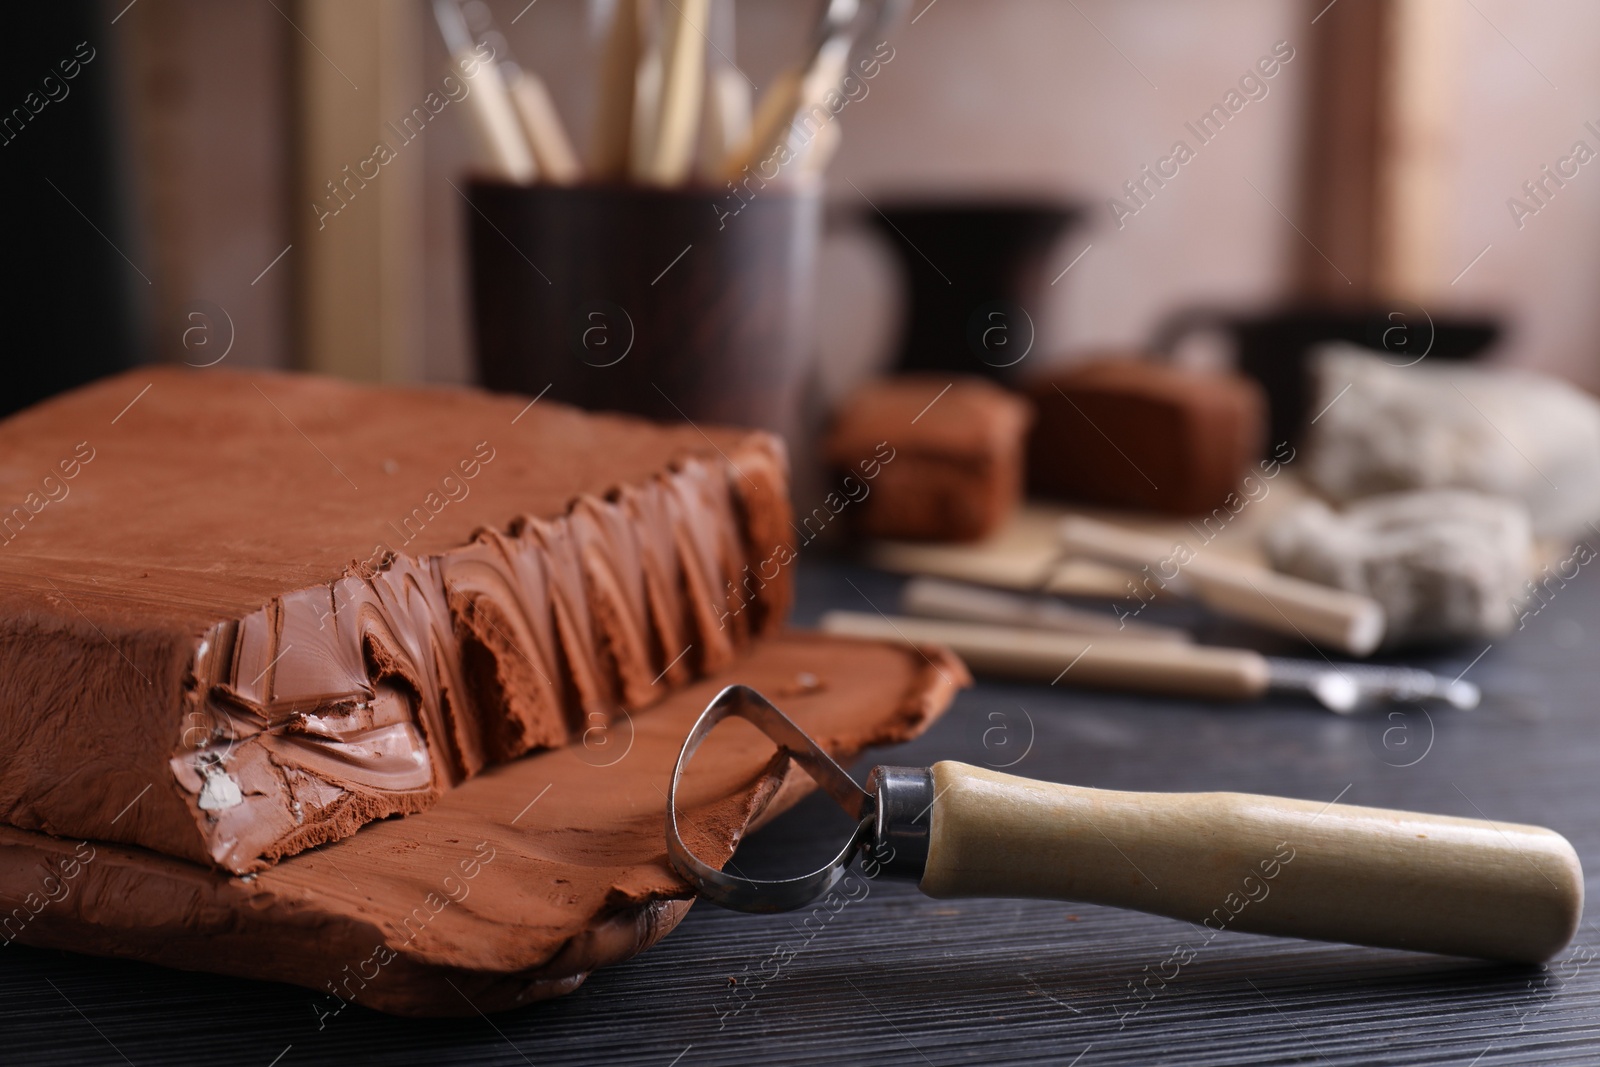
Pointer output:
x,y
1266,865
1350,622
1125,664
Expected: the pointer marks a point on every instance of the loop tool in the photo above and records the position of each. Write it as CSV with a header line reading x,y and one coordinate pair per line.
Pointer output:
x,y
1225,861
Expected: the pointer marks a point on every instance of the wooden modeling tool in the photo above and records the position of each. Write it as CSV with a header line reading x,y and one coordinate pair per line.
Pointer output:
x,y
1349,622
828,74
683,79
646,109
613,117
820,150
546,136
726,122
776,109
936,598
541,124
1265,865
1169,668
502,150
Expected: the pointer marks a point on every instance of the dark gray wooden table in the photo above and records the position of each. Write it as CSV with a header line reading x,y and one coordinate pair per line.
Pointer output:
x,y
896,978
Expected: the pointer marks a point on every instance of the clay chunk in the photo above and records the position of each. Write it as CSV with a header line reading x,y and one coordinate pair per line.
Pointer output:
x,y
946,452
516,884
1444,563
1125,432
246,614
1506,432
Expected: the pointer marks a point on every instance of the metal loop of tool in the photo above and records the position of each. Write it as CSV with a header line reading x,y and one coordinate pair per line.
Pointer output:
x,y
768,894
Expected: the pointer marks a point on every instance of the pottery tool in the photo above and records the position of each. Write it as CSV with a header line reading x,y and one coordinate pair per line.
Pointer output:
x,y
1320,614
1266,865
824,145
503,152
828,74
646,106
683,75
936,598
553,154
829,51
726,122
613,119
541,123
1170,668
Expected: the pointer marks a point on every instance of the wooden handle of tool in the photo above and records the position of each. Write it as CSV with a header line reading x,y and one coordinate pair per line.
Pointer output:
x,y
727,117
1266,865
1124,664
936,598
505,152
775,110
683,76
553,153
815,157
613,115
1350,622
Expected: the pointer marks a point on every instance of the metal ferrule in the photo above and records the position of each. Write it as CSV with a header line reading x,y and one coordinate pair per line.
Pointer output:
x,y
903,797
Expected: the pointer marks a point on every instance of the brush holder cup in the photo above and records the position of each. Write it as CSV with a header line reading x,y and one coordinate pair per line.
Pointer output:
x,y
676,304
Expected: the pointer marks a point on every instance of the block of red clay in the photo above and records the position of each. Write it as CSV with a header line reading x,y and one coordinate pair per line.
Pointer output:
x,y
1129,433
939,459
242,615
516,884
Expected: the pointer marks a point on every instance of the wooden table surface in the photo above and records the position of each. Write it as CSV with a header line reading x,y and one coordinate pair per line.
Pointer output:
x,y
896,978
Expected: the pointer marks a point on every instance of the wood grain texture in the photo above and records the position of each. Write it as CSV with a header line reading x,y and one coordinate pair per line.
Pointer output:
x,y
1266,865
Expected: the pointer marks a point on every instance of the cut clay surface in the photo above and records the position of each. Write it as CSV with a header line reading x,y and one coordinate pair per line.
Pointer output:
x,y
516,884
245,614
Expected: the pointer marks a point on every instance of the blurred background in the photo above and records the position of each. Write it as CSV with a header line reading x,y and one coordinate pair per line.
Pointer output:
x,y
161,204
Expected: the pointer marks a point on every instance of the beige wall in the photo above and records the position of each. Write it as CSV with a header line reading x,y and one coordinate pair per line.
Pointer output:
x,y
1511,122
205,106
1064,98
1028,95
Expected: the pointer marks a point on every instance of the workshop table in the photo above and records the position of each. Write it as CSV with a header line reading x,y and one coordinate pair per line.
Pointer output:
x,y
897,978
